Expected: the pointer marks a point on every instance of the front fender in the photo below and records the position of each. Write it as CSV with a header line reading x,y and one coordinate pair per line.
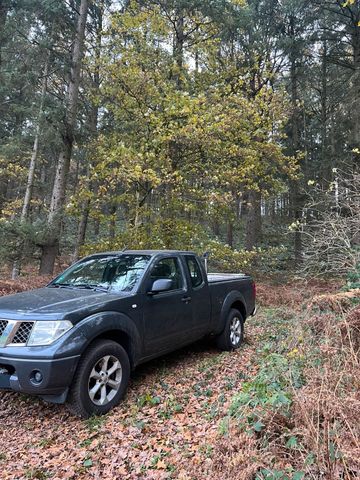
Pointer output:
x,y
83,333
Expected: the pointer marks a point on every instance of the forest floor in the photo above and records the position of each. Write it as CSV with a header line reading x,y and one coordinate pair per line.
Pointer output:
x,y
282,407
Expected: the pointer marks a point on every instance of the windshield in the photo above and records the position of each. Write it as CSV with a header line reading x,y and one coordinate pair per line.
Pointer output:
x,y
120,273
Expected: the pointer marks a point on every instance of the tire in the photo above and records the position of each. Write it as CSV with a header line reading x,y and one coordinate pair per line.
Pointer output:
x,y
94,391
232,336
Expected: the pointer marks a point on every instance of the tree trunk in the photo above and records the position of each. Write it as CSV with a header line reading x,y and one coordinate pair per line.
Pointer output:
x,y
31,174
295,127
325,164
355,93
230,233
112,223
93,128
47,262
35,151
96,227
253,221
179,49
4,8
59,189
81,233
216,227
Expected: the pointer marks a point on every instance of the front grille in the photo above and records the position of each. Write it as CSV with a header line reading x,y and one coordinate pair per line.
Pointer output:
x,y
3,325
23,332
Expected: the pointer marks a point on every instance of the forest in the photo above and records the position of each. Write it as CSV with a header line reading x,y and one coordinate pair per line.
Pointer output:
x,y
223,126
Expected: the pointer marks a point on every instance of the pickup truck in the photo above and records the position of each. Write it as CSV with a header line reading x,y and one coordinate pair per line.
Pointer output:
x,y
77,339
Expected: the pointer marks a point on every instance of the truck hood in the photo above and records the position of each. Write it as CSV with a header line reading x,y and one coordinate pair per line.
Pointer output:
x,y
54,302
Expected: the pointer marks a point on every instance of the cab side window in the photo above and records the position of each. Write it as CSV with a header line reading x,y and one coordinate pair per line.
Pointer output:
x,y
194,271
168,268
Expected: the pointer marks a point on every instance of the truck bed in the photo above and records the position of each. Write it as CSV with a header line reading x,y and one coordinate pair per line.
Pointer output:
x,y
223,284
221,277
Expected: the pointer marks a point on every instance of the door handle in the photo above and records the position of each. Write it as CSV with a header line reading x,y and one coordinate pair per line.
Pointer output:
x,y
186,299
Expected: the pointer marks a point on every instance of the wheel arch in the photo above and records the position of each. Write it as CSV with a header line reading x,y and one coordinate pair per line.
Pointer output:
x,y
106,325
234,299
123,339
239,305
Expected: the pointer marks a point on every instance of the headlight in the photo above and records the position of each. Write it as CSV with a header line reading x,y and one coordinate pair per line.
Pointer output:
x,y
46,332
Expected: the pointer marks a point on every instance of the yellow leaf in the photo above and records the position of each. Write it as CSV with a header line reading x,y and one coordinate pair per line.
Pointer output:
x,y
161,465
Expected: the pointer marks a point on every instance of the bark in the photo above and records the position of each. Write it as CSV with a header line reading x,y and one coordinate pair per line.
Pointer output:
x,y
230,234
4,9
355,90
216,227
96,227
81,233
112,223
253,221
59,189
179,49
31,173
325,167
4,185
295,137
35,151
47,261
93,128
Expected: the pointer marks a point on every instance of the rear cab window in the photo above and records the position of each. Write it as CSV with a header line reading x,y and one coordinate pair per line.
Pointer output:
x,y
195,273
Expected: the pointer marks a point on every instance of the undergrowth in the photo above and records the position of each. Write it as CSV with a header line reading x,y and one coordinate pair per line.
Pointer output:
x,y
298,411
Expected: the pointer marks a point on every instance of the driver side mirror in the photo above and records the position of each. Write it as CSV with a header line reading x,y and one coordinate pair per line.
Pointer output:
x,y
161,285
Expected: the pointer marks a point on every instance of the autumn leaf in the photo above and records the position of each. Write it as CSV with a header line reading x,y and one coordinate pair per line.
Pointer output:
x,y
161,465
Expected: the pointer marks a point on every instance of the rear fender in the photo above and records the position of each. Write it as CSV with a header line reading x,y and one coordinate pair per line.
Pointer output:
x,y
231,298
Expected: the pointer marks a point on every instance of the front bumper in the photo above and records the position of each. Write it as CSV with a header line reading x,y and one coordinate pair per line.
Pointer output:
x,y
19,374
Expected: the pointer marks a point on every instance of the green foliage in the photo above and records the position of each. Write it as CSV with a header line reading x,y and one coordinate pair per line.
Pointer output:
x,y
148,399
179,145
227,259
353,279
288,474
180,234
18,240
270,390
183,116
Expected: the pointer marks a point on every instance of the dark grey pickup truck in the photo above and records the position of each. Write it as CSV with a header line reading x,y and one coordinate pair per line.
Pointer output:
x,y
77,339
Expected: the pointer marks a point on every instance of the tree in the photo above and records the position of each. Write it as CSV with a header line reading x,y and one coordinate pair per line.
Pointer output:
x,y
332,228
50,248
172,152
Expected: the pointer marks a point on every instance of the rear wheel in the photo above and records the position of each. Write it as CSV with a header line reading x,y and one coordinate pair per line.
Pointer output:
x,y
232,336
100,380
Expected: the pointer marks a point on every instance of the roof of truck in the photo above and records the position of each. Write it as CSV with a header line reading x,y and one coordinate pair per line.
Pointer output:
x,y
142,252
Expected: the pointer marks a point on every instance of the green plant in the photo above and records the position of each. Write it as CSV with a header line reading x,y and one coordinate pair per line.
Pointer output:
x,y
280,371
94,423
148,399
353,279
267,474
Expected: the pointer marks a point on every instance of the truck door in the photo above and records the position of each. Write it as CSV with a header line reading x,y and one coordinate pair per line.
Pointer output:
x,y
200,296
167,315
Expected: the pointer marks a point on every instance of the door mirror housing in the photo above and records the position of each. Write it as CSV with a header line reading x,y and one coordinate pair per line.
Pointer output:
x,y
161,285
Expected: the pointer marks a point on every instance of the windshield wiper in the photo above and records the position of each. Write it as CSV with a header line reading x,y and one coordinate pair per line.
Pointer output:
x,y
91,286
59,285
87,286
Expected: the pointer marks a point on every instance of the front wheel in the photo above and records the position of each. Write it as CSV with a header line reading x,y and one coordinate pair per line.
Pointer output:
x,y
232,336
100,380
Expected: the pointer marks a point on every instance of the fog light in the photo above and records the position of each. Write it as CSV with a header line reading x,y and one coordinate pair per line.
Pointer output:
x,y
36,377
